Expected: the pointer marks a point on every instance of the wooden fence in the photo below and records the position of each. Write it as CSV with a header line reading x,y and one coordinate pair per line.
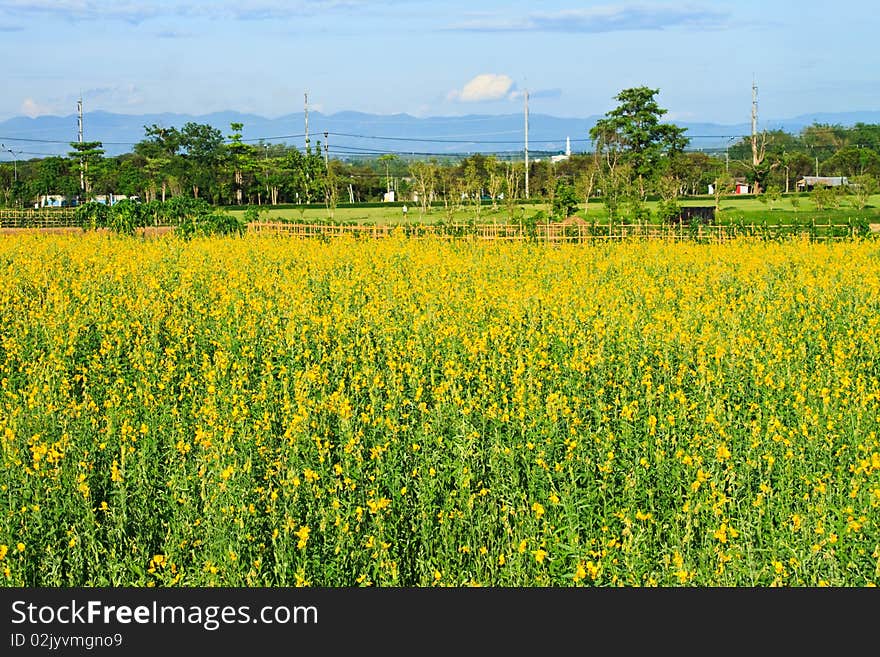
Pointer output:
x,y
578,232
41,218
568,233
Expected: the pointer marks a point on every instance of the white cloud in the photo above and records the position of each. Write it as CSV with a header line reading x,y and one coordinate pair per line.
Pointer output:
x,y
598,19
33,109
484,87
125,94
138,11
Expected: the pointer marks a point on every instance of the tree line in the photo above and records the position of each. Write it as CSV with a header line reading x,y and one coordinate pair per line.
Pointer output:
x,y
635,155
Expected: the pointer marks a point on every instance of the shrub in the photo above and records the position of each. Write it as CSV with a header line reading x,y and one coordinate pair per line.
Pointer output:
x,y
668,210
125,216
565,201
92,215
219,222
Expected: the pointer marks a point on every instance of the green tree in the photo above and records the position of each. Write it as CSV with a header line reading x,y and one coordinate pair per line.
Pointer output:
x,y
474,173
565,202
668,186
55,175
823,139
132,176
92,215
125,216
634,129
88,156
694,171
853,161
306,174
514,173
863,187
331,188
494,179
425,176
616,187
821,196
160,150
865,135
240,159
723,184
586,180
203,152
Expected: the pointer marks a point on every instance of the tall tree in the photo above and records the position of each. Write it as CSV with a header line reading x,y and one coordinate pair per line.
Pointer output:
x,y
424,174
88,156
634,129
306,174
160,149
204,149
494,179
55,175
852,161
240,155
474,175
513,174
759,166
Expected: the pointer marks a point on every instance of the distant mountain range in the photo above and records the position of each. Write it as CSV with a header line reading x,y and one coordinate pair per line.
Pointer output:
x,y
355,134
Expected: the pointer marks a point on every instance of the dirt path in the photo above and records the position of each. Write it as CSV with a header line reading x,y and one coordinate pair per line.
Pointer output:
x,y
149,231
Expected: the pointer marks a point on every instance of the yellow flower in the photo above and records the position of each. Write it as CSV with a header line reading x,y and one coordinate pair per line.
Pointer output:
x,y
538,508
540,554
377,505
303,535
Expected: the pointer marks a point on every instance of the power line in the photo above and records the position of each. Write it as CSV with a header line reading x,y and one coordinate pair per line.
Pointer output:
x,y
436,140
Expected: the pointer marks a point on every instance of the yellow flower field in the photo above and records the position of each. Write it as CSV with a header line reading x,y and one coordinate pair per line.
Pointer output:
x,y
267,411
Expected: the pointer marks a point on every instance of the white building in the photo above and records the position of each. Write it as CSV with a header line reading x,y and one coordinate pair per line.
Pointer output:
x,y
809,182
562,158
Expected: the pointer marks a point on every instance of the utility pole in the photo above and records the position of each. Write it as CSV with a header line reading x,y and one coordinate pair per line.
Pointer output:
x,y
326,152
82,173
267,169
307,119
754,109
755,158
526,95
757,151
727,154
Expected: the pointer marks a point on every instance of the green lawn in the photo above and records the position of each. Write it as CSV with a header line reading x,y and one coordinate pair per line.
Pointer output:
x,y
733,210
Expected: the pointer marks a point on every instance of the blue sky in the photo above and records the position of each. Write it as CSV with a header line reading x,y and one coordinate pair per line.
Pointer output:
x,y
433,58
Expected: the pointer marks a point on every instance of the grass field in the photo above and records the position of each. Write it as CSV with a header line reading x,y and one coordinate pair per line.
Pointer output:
x,y
270,412
747,209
